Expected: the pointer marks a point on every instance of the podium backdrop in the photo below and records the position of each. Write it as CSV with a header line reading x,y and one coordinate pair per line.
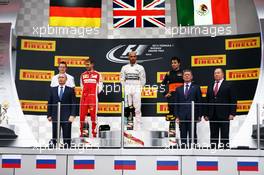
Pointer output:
x,y
37,61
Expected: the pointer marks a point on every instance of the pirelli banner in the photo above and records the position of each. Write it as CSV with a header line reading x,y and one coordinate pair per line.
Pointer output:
x,y
38,58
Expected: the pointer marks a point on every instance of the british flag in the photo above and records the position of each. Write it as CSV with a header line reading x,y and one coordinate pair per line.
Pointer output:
x,y
138,13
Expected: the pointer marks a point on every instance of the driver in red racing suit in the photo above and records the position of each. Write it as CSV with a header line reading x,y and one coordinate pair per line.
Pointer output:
x,y
91,84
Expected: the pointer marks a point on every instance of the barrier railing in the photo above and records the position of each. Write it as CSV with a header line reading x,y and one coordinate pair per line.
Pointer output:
x,y
115,131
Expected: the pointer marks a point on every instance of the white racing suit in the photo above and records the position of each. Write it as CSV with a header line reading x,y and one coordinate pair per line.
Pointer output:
x,y
133,79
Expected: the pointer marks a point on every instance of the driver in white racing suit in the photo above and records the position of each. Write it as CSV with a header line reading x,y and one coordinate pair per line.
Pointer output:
x,y
133,79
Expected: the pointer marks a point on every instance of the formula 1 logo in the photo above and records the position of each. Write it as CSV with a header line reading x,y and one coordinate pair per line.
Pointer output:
x,y
119,54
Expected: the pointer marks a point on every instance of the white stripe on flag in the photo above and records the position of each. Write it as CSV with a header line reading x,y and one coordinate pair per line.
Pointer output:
x,y
203,12
247,159
83,158
46,157
207,159
124,158
11,156
168,158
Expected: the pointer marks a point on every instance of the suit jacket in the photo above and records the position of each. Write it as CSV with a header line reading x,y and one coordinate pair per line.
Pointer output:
x,y
226,95
68,103
184,111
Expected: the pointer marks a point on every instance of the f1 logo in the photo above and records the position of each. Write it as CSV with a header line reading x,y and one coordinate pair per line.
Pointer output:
x,y
137,48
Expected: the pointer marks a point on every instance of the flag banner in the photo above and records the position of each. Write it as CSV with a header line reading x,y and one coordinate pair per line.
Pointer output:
x,y
84,162
167,165
247,164
11,161
138,13
78,13
207,164
202,12
45,162
121,163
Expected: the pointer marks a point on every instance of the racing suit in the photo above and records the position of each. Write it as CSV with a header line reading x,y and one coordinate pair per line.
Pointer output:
x,y
172,80
133,78
91,84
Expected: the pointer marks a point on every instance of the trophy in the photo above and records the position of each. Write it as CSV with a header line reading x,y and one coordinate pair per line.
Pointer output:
x,y
3,113
7,131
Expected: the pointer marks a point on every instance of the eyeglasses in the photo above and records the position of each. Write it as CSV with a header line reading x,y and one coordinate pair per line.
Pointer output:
x,y
132,56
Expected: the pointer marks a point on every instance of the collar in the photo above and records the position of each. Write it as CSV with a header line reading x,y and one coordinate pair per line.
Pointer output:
x,y
132,65
189,83
220,81
63,86
91,71
176,70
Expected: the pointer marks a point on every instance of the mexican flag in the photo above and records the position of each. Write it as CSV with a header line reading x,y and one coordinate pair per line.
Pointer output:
x,y
202,12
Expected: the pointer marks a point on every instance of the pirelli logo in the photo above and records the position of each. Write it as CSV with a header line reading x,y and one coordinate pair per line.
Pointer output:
x,y
111,77
243,43
162,108
244,105
242,74
109,108
38,45
72,61
35,75
160,76
149,92
208,60
78,91
34,106
204,90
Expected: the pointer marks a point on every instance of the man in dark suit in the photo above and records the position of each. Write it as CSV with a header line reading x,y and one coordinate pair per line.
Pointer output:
x,y
184,95
221,108
66,96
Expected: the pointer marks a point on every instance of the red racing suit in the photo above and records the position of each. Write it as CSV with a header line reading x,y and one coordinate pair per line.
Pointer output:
x,y
91,83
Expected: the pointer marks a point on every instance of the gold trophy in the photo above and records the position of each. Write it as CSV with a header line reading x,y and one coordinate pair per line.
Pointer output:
x,y
3,112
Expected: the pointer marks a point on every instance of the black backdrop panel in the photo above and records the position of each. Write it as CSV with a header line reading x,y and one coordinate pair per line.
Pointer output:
x,y
156,54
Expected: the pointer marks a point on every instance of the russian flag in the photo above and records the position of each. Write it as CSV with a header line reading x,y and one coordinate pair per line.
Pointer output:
x,y
83,162
125,164
247,164
207,164
45,162
11,161
167,165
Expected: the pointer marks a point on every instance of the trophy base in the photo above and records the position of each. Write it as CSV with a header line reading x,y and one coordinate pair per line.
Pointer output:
x,y
7,135
7,132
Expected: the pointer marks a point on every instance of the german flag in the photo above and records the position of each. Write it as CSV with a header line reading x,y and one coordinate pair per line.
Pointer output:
x,y
75,13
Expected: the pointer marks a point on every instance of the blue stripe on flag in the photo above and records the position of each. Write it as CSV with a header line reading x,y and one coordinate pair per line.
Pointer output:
x,y
125,162
247,163
167,163
205,163
16,161
84,162
46,161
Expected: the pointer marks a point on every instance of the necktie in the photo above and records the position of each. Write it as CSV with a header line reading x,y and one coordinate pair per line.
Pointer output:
x,y
216,88
186,90
61,92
